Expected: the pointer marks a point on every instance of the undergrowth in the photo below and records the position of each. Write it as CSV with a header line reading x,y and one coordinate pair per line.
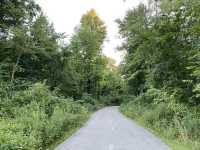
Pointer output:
x,y
35,118
178,124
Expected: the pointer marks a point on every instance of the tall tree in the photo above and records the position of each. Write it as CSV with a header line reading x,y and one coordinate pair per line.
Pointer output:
x,y
15,20
159,46
87,51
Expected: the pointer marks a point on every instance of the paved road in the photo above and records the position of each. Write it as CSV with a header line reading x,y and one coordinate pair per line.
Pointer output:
x,y
108,129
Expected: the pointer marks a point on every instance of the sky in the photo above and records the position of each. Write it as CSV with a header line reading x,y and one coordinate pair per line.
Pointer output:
x,y
66,15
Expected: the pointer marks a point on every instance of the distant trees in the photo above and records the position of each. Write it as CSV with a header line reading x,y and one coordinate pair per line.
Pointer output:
x,y
86,51
84,62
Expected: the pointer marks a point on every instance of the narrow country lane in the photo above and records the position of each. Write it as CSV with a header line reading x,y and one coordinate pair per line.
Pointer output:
x,y
108,129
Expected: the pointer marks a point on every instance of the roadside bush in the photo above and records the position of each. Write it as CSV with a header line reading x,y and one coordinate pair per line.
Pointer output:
x,y
111,100
153,96
87,98
38,93
161,111
89,102
40,117
125,98
116,99
5,99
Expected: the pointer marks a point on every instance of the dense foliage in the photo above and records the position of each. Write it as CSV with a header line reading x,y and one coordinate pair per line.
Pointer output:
x,y
177,123
30,51
48,88
37,72
161,66
36,117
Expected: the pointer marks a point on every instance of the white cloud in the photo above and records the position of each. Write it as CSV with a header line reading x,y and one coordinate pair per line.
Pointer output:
x,y
66,14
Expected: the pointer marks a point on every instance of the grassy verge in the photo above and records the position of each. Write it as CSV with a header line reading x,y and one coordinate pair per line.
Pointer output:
x,y
69,133
66,135
168,134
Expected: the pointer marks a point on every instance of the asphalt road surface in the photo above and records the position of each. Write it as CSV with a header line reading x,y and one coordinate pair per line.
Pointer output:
x,y
108,129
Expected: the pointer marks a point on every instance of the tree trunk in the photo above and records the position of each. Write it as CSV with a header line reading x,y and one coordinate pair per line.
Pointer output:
x,y
15,68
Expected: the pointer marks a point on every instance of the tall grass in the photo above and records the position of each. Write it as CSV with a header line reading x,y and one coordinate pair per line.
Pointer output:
x,y
177,123
37,117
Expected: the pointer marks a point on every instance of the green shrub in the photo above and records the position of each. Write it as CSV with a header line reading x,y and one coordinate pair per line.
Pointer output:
x,y
40,117
163,113
115,99
185,130
87,98
5,99
38,93
153,96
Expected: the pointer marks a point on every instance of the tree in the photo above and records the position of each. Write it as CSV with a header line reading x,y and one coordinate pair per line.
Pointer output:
x,y
86,51
29,47
159,46
15,19
15,13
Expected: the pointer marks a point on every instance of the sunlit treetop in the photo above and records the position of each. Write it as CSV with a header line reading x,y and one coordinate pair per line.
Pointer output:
x,y
93,21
